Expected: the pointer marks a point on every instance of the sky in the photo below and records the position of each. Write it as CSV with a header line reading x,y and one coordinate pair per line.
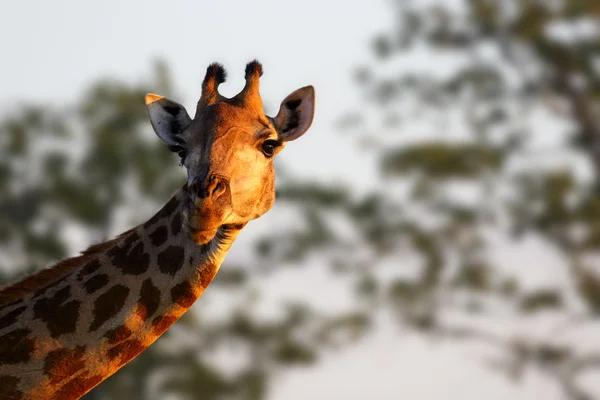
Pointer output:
x,y
53,49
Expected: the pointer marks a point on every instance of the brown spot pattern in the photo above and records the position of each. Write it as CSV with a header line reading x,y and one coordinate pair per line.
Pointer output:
x,y
95,283
132,262
43,290
161,323
14,303
130,240
108,304
152,221
59,314
164,212
207,274
10,294
124,246
118,334
159,236
77,387
88,269
9,387
183,294
171,260
63,363
11,317
125,351
16,347
176,224
149,299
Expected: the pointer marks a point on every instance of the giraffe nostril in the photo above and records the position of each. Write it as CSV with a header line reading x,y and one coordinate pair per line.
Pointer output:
x,y
219,188
215,186
211,186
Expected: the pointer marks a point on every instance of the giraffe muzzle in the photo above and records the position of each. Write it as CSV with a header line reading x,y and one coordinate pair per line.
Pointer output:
x,y
210,204
211,187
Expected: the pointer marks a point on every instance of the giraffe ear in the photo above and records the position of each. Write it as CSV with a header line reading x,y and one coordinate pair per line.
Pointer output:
x,y
295,114
169,119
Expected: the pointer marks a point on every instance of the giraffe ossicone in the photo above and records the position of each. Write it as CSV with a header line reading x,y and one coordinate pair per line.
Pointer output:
x,y
67,328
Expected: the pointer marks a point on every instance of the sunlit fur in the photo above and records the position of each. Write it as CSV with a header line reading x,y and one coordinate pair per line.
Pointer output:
x,y
67,328
225,140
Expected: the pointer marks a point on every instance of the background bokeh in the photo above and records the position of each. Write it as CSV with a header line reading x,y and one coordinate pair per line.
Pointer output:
x,y
436,232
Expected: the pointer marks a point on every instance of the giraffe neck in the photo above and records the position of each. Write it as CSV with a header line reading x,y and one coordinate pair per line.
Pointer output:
x,y
63,339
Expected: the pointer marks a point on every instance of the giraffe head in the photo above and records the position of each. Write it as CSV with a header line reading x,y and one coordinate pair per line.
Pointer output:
x,y
228,148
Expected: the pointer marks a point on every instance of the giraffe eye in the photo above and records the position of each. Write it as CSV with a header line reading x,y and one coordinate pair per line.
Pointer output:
x,y
269,146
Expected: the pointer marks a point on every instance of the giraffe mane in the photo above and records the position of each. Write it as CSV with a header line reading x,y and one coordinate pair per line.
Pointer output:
x,y
46,276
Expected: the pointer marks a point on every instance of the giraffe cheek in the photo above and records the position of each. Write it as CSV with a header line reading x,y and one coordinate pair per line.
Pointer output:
x,y
246,194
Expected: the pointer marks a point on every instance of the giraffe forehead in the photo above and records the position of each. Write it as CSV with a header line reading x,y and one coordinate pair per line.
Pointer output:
x,y
224,155
223,120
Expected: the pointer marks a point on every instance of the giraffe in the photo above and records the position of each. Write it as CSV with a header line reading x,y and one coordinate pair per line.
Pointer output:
x,y
68,327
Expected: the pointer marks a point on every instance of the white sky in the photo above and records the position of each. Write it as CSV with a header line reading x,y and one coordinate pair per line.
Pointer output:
x,y
51,50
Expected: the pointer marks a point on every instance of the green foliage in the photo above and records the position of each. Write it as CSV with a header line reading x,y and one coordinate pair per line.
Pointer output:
x,y
540,300
474,276
405,292
345,329
589,288
440,160
232,276
589,214
316,195
552,354
289,352
192,377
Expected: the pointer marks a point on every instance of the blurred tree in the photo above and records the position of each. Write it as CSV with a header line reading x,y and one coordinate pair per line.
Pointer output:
x,y
73,176
48,187
494,139
510,99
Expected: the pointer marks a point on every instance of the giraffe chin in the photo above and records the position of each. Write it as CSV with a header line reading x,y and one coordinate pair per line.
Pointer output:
x,y
206,216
